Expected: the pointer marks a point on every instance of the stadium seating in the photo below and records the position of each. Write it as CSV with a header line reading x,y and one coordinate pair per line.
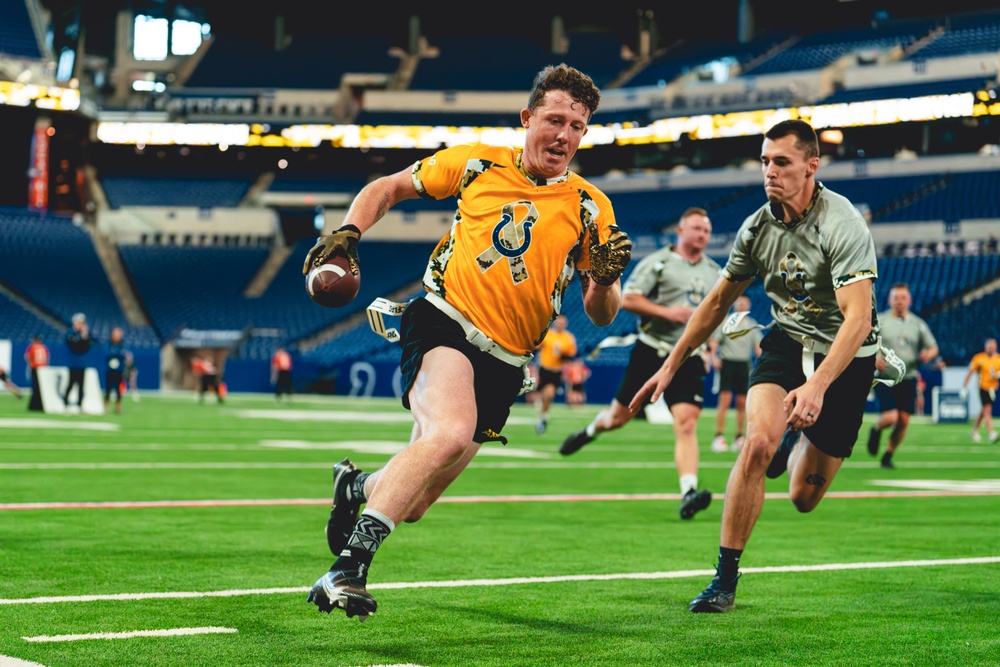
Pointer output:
x,y
20,324
308,62
200,190
51,262
17,37
818,50
506,62
965,34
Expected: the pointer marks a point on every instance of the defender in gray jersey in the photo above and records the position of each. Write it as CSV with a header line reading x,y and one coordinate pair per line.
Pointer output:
x,y
663,290
733,359
816,257
912,341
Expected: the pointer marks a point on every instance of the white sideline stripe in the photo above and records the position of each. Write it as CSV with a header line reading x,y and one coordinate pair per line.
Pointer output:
x,y
944,489
172,632
463,583
951,492
7,661
51,423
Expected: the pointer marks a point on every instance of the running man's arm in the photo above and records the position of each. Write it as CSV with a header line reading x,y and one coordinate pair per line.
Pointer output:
x,y
704,321
855,301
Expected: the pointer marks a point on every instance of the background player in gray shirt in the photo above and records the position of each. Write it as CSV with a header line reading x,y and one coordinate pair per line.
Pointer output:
x,y
816,257
733,359
663,290
912,341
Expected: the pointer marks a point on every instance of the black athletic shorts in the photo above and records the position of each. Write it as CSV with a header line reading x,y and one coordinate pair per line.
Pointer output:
x,y
734,376
688,386
987,396
545,377
113,383
902,397
836,430
497,384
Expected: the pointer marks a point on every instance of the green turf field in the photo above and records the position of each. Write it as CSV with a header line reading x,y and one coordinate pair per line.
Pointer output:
x,y
183,534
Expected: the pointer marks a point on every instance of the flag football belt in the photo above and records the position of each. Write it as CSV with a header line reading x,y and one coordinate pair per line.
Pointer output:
x,y
810,348
476,337
662,347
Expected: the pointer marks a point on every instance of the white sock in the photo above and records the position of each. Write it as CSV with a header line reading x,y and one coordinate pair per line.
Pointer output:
x,y
689,483
591,429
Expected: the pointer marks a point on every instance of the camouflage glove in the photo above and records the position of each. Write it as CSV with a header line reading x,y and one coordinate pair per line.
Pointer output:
x,y
344,240
608,260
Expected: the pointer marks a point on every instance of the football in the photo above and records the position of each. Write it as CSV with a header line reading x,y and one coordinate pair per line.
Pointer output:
x,y
332,284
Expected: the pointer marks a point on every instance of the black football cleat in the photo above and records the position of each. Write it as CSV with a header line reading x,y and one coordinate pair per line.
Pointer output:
x,y
338,589
874,437
718,598
779,462
574,441
345,509
694,501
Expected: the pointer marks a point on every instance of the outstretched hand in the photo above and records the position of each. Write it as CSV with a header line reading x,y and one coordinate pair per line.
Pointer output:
x,y
344,240
609,259
650,392
803,405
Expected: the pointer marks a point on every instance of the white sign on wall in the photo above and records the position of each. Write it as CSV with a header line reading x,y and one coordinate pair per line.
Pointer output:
x,y
52,383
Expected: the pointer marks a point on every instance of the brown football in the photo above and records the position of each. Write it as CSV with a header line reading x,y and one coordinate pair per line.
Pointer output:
x,y
332,284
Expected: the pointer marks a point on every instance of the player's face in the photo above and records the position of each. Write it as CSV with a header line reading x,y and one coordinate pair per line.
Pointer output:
x,y
899,300
553,134
991,346
694,232
786,169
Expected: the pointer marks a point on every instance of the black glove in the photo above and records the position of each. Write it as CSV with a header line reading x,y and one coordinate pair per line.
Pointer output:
x,y
608,260
344,240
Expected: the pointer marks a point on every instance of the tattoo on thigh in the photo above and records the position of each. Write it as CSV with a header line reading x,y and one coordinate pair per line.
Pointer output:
x,y
816,480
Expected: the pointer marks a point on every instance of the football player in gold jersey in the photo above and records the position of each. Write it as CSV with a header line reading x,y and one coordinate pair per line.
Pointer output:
x,y
557,348
524,226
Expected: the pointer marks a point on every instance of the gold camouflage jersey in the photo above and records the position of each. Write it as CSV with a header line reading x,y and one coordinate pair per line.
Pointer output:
x,y
556,349
515,242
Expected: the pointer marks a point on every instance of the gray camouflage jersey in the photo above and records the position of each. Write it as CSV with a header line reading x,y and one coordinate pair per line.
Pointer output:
x,y
907,336
738,349
666,278
804,262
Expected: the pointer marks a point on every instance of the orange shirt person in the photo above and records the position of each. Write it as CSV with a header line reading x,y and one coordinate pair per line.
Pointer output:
x,y
987,365
281,373
207,377
558,347
36,356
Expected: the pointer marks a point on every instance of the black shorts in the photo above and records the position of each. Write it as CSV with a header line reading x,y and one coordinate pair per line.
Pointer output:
x,y
902,397
836,430
734,376
209,381
497,384
546,377
987,396
113,383
688,386
3,375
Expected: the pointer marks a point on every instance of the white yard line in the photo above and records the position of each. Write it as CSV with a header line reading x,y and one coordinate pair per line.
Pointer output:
x,y
170,632
924,489
514,581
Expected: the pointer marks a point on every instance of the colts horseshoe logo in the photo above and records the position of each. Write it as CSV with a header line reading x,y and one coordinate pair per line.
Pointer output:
x,y
506,245
510,239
